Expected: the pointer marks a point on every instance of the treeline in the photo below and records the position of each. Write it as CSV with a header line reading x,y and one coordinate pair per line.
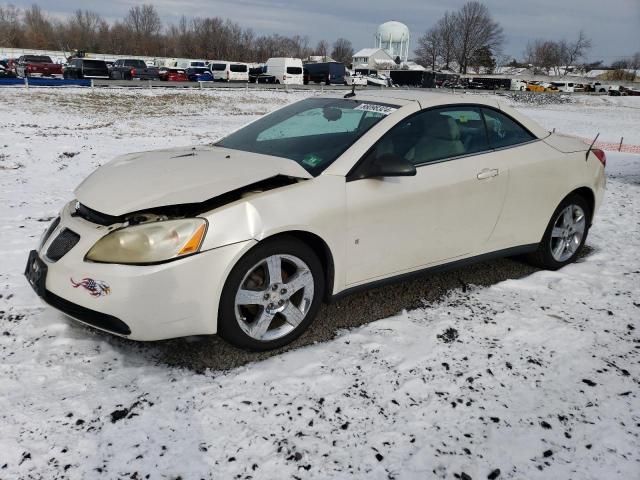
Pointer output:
x,y
141,32
550,55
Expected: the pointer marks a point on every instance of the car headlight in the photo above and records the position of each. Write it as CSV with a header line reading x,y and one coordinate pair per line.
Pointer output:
x,y
151,242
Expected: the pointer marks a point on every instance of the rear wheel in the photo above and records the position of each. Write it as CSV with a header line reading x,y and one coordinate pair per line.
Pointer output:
x,y
565,234
272,295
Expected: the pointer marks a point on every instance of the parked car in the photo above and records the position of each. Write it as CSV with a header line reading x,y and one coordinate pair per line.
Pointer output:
x,y
229,71
5,70
379,80
79,68
209,232
203,75
130,69
327,73
286,70
351,78
37,66
617,91
173,75
565,87
259,75
541,87
598,87
517,85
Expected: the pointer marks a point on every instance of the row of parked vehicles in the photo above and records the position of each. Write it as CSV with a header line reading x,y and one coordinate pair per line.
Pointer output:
x,y
280,70
565,86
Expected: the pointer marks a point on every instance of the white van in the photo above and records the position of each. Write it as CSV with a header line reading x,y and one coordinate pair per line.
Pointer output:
x,y
567,87
229,71
286,70
518,85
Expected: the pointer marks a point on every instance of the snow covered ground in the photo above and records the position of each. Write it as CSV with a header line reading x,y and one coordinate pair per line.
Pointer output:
x,y
533,378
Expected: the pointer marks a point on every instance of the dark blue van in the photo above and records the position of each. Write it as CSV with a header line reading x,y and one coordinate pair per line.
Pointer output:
x,y
326,72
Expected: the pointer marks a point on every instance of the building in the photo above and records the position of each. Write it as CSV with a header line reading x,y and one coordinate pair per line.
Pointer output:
x,y
373,58
394,37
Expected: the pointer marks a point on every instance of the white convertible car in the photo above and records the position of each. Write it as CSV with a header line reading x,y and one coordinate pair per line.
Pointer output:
x,y
246,237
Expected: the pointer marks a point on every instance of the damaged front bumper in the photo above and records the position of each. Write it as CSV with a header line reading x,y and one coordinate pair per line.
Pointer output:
x,y
148,302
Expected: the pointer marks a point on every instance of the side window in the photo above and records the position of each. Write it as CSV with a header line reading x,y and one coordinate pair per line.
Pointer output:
x,y
503,131
436,134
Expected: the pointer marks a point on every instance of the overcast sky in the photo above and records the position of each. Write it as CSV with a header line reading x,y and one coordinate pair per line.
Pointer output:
x,y
613,25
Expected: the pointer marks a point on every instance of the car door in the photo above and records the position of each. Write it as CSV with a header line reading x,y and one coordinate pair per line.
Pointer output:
x,y
447,210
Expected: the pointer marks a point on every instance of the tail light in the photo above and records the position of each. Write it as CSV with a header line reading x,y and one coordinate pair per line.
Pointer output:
x,y
601,156
228,74
133,72
284,77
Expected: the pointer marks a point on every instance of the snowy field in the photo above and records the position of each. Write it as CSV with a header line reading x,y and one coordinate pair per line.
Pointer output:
x,y
530,378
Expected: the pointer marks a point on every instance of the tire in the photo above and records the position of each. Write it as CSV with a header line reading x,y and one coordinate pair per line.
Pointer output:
x,y
562,240
285,313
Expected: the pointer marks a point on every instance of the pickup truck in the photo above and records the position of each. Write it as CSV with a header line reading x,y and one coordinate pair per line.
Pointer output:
x,y
37,66
78,68
129,69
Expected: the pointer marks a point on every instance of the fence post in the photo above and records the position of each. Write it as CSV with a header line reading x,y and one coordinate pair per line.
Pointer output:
x,y
620,146
26,82
92,84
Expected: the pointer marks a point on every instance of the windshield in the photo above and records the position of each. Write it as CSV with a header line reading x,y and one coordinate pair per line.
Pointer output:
x,y
135,63
219,67
37,59
294,70
94,64
238,68
312,132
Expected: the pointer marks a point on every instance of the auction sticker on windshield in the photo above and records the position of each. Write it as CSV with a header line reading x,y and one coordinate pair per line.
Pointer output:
x,y
371,107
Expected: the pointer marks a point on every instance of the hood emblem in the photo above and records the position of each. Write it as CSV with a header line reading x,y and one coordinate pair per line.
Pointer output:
x,y
96,288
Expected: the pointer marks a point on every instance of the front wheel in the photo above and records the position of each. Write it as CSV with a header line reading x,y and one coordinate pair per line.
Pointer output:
x,y
565,235
272,295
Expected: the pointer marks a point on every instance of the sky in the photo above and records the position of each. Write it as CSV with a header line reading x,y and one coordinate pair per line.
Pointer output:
x,y
612,25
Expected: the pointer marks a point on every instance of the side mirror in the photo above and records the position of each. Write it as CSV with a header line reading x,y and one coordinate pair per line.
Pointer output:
x,y
387,165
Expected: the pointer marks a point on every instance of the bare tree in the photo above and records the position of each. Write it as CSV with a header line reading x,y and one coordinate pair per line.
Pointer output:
x,y
446,31
429,47
82,31
144,25
322,49
474,29
571,52
342,51
38,29
544,55
10,26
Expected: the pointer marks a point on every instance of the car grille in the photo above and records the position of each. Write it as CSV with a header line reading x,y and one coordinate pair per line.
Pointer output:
x,y
62,244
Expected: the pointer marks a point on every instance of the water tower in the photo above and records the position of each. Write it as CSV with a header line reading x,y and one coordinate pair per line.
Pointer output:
x,y
394,38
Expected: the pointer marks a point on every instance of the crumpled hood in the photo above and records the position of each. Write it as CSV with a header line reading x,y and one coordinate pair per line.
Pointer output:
x,y
139,181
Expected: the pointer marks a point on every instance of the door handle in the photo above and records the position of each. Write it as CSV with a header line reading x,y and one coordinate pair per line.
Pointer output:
x,y
488,173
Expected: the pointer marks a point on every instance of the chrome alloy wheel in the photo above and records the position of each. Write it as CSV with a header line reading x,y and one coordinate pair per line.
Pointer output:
x,y
568,232
274,297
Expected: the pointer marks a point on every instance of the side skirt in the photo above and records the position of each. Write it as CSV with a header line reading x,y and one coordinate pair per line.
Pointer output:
x,y
507,252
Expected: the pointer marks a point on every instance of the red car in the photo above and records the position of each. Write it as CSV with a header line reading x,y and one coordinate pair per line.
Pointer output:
x,y
173,75
37,66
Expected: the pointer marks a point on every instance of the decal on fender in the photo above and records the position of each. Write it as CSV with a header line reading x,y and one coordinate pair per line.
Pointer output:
x,y
96,288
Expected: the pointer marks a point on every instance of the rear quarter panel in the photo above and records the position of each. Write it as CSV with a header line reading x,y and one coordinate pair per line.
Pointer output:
x,y
540,177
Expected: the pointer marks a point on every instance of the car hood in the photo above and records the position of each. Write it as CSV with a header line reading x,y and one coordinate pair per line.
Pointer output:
x,y
144,180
